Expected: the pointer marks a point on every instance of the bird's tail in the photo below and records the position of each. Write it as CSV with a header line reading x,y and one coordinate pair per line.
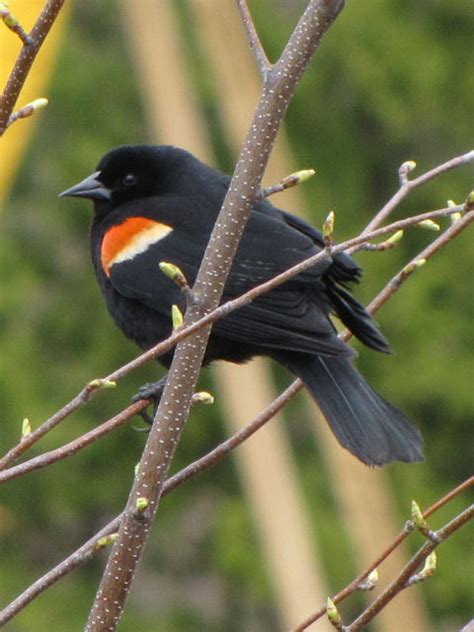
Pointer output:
x,y
363,422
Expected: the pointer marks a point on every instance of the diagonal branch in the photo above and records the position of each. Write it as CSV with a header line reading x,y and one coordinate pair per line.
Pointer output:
x,y
383,296
354,585
71,448
400,582
87,550
351,245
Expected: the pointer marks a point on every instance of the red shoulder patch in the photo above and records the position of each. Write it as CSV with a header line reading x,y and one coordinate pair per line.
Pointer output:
x,y
130,238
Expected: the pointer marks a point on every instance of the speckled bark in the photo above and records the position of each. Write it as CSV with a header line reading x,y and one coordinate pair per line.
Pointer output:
x,y
279,86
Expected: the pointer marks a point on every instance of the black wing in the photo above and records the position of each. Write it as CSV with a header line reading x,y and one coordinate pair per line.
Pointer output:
x,y
293,316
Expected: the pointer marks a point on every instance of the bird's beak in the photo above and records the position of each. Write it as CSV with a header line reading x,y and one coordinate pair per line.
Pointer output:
x,y
90,188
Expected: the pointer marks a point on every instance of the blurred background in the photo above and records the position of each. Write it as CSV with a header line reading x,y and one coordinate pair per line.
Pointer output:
x,y
259,541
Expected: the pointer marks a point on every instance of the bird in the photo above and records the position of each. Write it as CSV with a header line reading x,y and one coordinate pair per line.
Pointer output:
x,y
159,203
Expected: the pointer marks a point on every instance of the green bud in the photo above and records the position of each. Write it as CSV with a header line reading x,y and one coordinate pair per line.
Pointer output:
x,y
395,238
328,225
298,177
429,225
171,271
141,503
7,17
333,613
373,578
304,175
203,397
370,582
176,317
107,540
407,167
411,267
39,104
455,217
417,516
25,428
429,565
99,383
469,203
451,203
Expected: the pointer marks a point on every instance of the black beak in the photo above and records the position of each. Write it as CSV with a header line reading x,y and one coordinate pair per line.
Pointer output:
x,y
90,188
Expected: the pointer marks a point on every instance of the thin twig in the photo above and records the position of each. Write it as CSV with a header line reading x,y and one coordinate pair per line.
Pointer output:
x,y
71,448
255,44
409,185
462,487
12,23
84,553
448,235
77,402
25,60
396,281
354,585
401,580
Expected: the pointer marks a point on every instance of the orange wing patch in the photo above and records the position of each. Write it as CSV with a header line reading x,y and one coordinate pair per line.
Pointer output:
x,y
134,236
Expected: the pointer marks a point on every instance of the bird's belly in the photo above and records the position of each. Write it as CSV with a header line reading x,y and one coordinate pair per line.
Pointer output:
x,y
145,326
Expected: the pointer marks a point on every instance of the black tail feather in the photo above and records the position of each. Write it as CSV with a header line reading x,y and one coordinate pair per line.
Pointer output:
x,y
362,421
357,319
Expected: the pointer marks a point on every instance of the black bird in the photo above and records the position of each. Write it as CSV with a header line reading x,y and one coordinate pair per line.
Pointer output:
x,y
159,203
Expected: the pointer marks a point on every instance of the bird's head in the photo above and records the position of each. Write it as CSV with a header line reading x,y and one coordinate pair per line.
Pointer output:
x,y
131,172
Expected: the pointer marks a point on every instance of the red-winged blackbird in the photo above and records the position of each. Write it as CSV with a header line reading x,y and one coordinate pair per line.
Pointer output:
x,y
159,203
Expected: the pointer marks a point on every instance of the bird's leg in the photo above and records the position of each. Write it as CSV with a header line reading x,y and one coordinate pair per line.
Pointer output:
x,y
154,391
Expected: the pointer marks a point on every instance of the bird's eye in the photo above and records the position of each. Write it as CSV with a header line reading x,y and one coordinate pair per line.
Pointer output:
x,y
129,180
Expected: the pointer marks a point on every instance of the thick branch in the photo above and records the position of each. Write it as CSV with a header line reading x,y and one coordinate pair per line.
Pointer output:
x,y
280,84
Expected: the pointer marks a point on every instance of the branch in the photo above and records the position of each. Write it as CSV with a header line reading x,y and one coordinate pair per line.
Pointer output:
x,y
77,402
255,44
394,284
53,456
25,60
350,245
355,584
406,185
402,581
12,23
279,87
85,552
90,548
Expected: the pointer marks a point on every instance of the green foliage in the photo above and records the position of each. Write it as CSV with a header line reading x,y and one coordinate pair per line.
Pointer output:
x,y
390,83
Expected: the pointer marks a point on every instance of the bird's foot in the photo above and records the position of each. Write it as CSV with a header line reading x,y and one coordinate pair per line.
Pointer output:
x,y
153,391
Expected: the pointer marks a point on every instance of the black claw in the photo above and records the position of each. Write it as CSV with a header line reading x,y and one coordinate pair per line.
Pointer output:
x,y
151,390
